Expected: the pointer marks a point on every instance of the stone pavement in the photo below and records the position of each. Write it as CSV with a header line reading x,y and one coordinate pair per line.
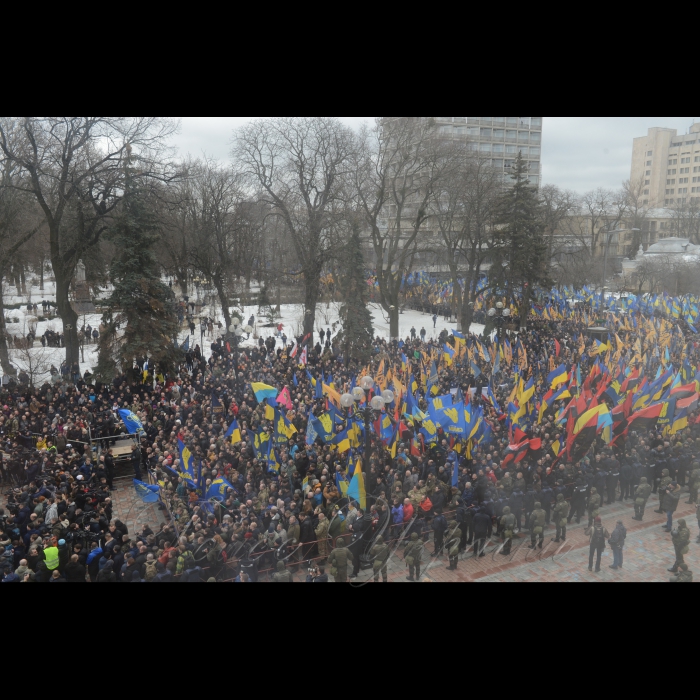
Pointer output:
x,y
648,554
129,508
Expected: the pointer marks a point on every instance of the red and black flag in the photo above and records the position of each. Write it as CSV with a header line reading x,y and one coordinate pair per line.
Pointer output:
x,y
515,454
647,418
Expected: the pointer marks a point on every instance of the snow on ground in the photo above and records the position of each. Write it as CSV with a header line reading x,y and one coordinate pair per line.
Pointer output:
x,y
292,316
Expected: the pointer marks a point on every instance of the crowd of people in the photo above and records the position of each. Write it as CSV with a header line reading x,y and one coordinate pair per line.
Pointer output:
x,y
58,523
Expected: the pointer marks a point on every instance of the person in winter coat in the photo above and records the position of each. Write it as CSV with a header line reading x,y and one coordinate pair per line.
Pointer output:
x,y
322,538
641,498
670,502
107,574
380,556
681,540
599,536
74,571
340,559
308,537
617,543
414,558
483,529
397,519
440,528
408,511
282,575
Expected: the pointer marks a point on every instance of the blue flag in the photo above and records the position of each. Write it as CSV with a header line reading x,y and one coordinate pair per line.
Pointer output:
x,y
132,422
148,494
217,408
186,465
186,345
218,490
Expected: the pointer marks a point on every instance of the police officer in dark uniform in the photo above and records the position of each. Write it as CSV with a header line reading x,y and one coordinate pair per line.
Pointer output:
x,y
613,480
516,507
579,500
626,478
547,497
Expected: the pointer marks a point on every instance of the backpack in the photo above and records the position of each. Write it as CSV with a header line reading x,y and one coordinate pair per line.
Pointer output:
x,y
599,537
151,571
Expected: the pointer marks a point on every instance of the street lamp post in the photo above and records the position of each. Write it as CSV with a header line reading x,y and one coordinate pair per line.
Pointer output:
x,y
369,412
501,314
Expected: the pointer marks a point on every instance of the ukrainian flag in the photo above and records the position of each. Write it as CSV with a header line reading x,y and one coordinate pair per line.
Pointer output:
x,y
357,491
263,391
234,433
343,442
528,392
558,377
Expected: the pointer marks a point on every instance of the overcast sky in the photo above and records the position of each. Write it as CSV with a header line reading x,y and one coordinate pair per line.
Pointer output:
x,y
579,153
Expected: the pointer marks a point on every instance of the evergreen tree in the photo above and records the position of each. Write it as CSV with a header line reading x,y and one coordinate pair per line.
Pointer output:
x,y
357,337
520,251
140,318
265,308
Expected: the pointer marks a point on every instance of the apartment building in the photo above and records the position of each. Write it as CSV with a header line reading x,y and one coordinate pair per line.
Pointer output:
x,y
669,166
500,138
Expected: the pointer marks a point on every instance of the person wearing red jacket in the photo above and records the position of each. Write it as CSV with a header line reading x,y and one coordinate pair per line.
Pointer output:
x,y
408,512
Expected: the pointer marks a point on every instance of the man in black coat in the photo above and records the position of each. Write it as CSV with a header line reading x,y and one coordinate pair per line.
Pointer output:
x,y
75,571
483,529
361,537
136,462
307,537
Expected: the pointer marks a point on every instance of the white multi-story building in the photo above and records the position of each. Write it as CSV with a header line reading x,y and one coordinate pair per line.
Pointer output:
x,y
666,165
500,138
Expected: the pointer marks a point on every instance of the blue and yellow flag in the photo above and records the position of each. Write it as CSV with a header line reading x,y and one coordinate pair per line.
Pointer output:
x,y
357,491
343,442
343,485
147,493
324,428
234,433
187,470
558,377
263,391
261,445
132,422
218,490
273,464
284,430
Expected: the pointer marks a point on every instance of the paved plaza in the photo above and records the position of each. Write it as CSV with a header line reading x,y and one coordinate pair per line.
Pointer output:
x,y
648,552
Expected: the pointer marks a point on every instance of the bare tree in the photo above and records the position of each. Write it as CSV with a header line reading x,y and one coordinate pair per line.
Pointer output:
x,y
19,222
300,166
686,220
36,362
605,209
637,213
74,168
399,166
463,209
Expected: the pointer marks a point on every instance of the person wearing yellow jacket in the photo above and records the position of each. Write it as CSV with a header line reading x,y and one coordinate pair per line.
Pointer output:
x,y
51,558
